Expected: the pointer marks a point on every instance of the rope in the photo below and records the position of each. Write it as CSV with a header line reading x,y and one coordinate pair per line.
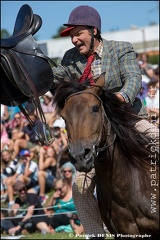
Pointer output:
x,y
39,215
24,209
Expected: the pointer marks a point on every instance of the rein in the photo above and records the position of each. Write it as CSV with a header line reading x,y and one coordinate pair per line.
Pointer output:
x,y
104,116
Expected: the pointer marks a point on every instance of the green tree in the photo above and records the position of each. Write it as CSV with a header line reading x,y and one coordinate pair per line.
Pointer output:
x,y
60,29
4,33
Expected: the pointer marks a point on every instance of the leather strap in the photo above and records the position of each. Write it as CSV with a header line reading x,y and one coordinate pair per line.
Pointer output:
x,y
35,53
45,138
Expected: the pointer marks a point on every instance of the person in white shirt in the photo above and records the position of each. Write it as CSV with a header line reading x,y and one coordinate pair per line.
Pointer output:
x,y
152,103
26,172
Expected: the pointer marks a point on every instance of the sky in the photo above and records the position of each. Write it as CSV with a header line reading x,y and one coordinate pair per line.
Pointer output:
x,y
115,15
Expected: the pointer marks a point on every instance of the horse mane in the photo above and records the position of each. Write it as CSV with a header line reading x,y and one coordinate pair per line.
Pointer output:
x,y
121,116
64,88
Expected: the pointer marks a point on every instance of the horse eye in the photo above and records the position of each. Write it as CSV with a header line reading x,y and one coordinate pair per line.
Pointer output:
x,y
96,108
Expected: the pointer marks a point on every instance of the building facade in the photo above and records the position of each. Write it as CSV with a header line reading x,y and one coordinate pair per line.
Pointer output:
x,y
144,39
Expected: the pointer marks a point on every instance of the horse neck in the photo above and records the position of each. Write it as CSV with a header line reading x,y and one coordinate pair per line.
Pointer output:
x,y
115,159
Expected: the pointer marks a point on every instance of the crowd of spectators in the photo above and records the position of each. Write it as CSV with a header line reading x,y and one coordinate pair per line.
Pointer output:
x,y
149,93
34,181
32,171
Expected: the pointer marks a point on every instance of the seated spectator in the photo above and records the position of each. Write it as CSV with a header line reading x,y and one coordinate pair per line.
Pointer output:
x,y
31,207
146,68
59,132
19,121
63,206
4,114
155,78
47,171
8,168
152,102
48,107
15,134
6,142
30,139
143,92
26,172
68,172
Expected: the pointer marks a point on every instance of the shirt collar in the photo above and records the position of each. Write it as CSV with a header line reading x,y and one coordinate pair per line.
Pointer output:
x,y
99,50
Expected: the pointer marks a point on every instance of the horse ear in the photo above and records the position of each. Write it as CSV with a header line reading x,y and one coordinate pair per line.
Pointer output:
x,y
100,83
101,80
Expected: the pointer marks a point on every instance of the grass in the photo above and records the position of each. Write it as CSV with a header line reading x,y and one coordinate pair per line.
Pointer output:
x,y
61,235
37,235
51,236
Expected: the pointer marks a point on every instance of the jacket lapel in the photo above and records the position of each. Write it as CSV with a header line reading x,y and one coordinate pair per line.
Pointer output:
x,y
80,64
106,61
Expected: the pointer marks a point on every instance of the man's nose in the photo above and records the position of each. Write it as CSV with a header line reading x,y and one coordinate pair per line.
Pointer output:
x,y
74,39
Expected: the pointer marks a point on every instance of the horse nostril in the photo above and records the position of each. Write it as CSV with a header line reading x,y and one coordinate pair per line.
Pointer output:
x,y
87,153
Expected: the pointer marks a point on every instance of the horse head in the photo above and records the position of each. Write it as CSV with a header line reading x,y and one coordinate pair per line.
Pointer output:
x,y
101,133
85,120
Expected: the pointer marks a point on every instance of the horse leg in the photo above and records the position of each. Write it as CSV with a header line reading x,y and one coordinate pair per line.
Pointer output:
x,y
86,204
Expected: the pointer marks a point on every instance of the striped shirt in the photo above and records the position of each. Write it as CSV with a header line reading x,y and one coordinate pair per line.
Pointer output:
x,y
96,65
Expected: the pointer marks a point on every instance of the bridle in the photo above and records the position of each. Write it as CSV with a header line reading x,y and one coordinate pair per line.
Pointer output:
x,y
96,149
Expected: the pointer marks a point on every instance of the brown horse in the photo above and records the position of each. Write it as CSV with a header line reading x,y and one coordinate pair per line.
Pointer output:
x,y
101,134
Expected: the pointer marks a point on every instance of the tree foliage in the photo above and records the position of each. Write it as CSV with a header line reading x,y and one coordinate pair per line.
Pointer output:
x,y
57,35
4,33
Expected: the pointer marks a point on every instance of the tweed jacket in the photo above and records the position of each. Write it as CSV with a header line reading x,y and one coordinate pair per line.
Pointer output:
x,y
122,73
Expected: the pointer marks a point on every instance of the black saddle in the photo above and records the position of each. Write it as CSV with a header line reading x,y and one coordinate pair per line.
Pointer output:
x,y
25,69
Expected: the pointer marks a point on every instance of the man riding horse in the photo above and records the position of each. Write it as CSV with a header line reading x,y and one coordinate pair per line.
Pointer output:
x,y
88,59
91,56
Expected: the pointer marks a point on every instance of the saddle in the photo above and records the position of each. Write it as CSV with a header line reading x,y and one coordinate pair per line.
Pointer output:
x,y
26,71
23,64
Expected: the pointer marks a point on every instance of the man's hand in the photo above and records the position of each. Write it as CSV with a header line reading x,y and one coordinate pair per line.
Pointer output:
x,y
121,98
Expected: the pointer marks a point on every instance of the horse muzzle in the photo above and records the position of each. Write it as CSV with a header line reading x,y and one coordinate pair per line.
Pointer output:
x,y
82,166
84,161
